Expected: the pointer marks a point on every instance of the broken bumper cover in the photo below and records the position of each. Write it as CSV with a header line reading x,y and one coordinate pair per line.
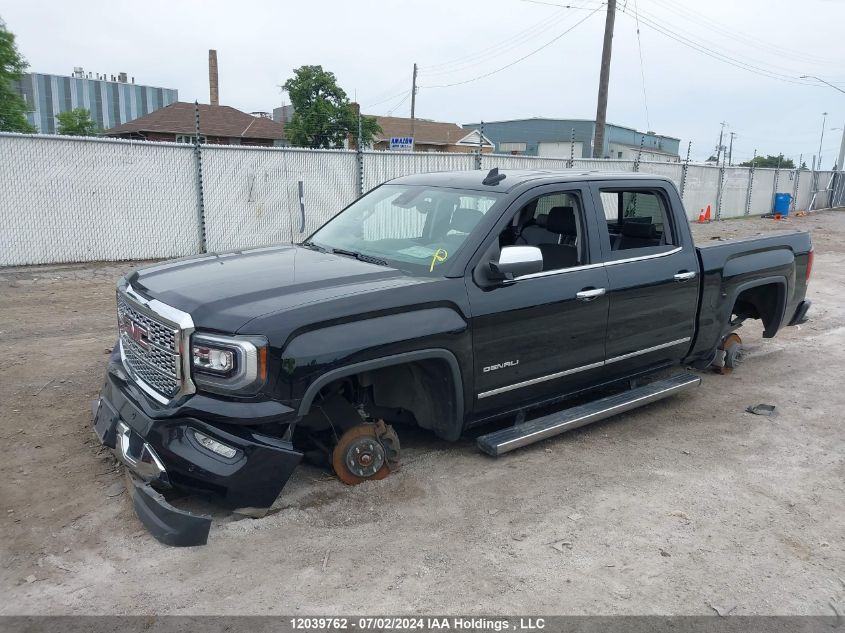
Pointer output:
x,y
168,524
165,452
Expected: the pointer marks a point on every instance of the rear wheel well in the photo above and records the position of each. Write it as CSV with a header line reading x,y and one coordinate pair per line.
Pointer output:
x,y
421,393
765,302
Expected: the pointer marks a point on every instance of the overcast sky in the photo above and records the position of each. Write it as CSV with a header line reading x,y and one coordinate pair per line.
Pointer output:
x,y
371,47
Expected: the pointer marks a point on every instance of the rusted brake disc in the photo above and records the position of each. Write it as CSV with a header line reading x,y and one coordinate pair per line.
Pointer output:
x,y
366,451
732,346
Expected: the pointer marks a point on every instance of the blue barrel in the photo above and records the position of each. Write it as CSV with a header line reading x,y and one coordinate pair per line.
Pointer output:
x,y
782,203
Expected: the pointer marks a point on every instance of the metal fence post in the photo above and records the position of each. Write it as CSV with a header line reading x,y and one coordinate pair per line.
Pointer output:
x,y
795,182
639,154
684,170
750,184
359,157
200,199
480,146
775,185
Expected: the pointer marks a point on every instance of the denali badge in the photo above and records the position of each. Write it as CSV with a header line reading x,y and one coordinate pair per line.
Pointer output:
x,y
134,331
507,363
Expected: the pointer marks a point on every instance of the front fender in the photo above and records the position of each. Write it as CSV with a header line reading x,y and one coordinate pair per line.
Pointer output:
x,y
447,429
347,348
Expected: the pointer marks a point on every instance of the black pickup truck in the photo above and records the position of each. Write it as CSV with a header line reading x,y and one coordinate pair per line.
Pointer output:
x,y
445,301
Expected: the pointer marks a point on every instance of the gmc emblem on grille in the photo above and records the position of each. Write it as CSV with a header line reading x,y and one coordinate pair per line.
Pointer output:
x,y
134,331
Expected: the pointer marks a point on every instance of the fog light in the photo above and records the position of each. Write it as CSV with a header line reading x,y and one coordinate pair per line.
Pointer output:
x,y
214,446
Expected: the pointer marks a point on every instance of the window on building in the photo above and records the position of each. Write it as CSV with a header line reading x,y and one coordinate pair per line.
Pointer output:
x,y
185,138
636,220
512,148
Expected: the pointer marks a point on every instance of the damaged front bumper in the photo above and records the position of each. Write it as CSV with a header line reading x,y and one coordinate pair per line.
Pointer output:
x,y
161,449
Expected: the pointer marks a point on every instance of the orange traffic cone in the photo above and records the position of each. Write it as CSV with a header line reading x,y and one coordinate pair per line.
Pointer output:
x,y
707,215
701,217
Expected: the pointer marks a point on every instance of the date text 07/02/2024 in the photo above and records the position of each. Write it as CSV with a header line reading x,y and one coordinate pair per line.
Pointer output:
x,y
418,623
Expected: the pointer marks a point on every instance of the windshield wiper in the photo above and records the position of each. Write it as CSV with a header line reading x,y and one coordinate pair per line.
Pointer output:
x,y
361,256
315,247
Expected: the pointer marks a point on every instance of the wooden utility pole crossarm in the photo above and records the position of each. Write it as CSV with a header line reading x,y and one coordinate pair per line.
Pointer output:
x,y
604,80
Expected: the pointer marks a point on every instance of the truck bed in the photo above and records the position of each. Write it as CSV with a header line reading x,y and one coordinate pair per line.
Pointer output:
x,y
778,261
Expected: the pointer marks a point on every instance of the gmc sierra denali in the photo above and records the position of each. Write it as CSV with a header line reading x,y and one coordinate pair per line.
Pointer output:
x,y
443,300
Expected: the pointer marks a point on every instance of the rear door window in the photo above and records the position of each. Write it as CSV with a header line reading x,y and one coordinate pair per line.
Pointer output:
x,y
638,222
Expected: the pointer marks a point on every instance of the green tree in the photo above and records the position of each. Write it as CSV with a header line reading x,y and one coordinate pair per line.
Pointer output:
x,y
769,161
12,66
76,122
323,116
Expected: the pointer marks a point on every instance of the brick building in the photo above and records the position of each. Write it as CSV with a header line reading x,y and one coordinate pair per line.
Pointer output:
x,y
219,125
431,136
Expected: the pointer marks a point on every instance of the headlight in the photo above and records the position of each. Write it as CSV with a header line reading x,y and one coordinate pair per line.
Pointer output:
x,y
229,364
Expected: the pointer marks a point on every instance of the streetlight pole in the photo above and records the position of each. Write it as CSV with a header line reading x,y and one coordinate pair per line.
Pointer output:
x,y
827,83
839,163
824,121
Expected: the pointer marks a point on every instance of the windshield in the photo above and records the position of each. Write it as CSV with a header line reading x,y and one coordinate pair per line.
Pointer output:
x,y
411,227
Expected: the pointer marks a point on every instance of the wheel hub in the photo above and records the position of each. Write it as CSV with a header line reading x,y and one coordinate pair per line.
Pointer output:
x,y
364,457
732,354
366,451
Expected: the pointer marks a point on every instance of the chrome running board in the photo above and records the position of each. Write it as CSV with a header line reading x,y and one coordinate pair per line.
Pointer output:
x,y
530,431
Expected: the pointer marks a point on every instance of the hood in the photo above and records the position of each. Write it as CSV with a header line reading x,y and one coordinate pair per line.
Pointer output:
x,y
225,291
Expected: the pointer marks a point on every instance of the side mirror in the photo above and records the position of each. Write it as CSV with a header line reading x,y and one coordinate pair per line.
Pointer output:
x,y
515,261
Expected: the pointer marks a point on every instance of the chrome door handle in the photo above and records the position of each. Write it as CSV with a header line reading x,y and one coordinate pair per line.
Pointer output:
x,y
685,276
589,295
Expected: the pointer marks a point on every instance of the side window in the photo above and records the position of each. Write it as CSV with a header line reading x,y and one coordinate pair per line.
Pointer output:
x,y
554,224
636,219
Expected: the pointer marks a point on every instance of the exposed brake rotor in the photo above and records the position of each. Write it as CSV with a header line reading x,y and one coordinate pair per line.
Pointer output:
x,y
366,451
733,354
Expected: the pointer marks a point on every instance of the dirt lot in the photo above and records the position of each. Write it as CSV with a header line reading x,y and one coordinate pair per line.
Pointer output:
x,y
684,507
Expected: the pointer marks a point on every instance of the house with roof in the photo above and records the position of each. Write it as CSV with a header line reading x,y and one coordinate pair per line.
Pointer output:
x,y
431,136
218,125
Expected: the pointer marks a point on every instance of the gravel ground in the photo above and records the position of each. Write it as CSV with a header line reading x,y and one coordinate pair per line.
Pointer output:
x,y
687,506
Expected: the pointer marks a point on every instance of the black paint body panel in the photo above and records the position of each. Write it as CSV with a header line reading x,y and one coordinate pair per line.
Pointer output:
x,y
323,313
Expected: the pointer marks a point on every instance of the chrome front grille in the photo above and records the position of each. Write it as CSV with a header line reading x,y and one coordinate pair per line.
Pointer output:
x,y
150,346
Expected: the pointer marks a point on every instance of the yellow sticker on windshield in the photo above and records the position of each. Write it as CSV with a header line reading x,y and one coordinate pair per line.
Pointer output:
x,y
440,255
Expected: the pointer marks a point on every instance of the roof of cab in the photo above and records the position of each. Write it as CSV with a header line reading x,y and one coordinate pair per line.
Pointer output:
x,y
472,179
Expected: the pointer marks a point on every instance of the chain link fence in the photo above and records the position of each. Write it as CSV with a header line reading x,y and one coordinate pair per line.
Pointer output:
x,y
67,199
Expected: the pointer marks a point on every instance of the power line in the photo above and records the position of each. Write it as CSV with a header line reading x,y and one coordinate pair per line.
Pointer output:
x,y
380,98
403,100
697,18
390,98
500,48
524,57
766,67
664,30
642,66
655,24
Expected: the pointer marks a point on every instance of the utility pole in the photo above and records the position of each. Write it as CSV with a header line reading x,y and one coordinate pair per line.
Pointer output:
x,y
413,98
731,150
604,80
719,146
